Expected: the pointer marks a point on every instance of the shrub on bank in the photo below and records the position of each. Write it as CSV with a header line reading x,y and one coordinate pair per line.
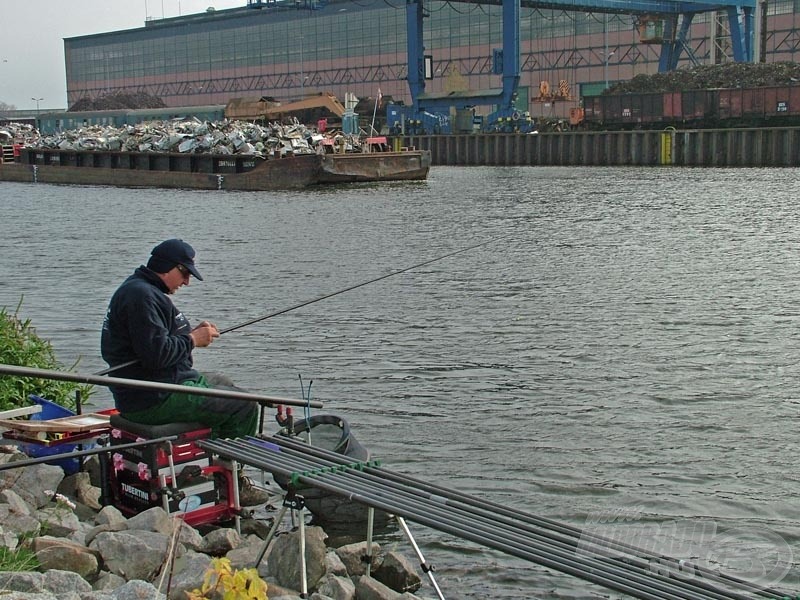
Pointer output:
x,y
224,582
21,346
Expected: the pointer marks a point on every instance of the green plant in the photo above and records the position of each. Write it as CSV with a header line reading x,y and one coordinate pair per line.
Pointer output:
x,y
222,582
21,346
20,559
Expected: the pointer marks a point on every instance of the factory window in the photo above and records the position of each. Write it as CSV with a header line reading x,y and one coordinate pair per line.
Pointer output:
x,y
779,7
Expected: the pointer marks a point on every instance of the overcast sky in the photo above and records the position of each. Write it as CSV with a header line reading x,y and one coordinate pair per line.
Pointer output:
x,y
32,54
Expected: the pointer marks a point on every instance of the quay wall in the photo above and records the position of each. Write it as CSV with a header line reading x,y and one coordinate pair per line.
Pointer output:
x,y
757,147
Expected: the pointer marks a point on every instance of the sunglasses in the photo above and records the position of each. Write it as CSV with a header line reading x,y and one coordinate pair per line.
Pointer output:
x,y
183,270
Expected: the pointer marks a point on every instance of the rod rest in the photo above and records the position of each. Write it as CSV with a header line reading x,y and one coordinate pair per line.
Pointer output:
x,y
117,421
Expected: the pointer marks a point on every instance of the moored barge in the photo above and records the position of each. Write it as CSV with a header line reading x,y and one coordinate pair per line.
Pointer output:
x,y
211,171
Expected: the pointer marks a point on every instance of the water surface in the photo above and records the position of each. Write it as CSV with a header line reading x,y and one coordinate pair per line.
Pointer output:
x,y
626,345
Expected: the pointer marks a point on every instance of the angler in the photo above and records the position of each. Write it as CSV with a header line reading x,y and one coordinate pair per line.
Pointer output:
x,y
144,328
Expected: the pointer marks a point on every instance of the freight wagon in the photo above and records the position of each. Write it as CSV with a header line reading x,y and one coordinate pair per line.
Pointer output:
x,y
771,106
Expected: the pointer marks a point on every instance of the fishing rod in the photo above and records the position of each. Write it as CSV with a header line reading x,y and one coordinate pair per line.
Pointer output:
x,y
325,297
522,522
639,580
81,453
152,385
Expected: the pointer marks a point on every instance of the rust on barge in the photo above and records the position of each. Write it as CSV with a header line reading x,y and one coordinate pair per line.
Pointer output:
x,y
211,171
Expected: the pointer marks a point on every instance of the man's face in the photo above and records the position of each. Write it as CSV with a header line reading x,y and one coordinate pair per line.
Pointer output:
x,y
175,278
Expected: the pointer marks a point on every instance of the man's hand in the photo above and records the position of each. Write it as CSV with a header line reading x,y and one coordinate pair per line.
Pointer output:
x,y
204,334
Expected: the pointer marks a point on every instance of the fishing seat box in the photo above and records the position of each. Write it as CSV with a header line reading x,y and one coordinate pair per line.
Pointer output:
x,y
137,477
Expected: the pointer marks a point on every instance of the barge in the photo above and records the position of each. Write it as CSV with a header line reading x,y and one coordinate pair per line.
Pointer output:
x,y
212,171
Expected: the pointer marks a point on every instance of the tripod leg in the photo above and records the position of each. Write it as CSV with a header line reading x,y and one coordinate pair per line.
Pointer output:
x,y
270,535
368,556
425,566
303,575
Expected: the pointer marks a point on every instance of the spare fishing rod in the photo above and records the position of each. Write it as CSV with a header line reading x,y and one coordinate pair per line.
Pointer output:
x,y
152,385
470,507
325,297
635,579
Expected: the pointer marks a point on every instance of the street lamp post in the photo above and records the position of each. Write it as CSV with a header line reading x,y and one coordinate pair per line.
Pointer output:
x,y
302,70
37,100
606,58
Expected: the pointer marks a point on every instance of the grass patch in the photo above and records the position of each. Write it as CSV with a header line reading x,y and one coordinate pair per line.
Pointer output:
x,y
21,559
21,346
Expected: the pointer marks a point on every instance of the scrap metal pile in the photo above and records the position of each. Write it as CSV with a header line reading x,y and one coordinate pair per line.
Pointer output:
x,y
118,100
201,137
728,75
18,133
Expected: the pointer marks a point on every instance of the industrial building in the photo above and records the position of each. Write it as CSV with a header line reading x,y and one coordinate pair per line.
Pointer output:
x,y
289,49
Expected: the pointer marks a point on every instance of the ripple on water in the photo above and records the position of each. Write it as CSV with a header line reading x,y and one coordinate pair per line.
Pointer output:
x,y
625,346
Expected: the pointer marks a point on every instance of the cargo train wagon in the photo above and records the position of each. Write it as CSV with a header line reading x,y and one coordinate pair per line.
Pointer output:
x,y
771,106
53,122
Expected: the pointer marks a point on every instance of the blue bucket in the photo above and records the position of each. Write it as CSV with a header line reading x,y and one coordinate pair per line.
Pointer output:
x,y
51,410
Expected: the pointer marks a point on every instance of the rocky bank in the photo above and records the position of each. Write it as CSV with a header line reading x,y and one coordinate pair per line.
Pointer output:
x,y
90,552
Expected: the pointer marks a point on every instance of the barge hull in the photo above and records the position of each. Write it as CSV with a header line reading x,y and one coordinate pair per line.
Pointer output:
x,y
375,166
162,170
212,172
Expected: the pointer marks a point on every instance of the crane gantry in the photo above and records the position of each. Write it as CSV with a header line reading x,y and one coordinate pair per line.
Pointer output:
x,y
675,18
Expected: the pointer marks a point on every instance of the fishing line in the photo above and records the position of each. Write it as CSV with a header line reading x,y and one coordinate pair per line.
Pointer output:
x,y
326,296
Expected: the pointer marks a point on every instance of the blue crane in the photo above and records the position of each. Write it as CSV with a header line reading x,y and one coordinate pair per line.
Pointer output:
x,y
429,112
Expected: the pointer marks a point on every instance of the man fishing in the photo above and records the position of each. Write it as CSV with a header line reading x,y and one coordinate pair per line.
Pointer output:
x,y
146,337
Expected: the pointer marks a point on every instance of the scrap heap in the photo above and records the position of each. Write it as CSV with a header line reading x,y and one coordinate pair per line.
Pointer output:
x,y
202,137
118,100
728,75
18,133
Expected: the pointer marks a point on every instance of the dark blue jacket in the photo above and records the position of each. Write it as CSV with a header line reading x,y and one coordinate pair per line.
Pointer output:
x,y
143,324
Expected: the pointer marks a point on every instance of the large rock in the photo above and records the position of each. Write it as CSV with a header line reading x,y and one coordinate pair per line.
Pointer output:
x,y
41,596
337,588
368,588
153,519
132,554
79,486
397,572
58,521
137,590
285,565
108,581
22,526
22,581
58,553
110,515
354,557
245,557
35,484
187,574
16,505
55,582
334,564
188,536
8,539
221,541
